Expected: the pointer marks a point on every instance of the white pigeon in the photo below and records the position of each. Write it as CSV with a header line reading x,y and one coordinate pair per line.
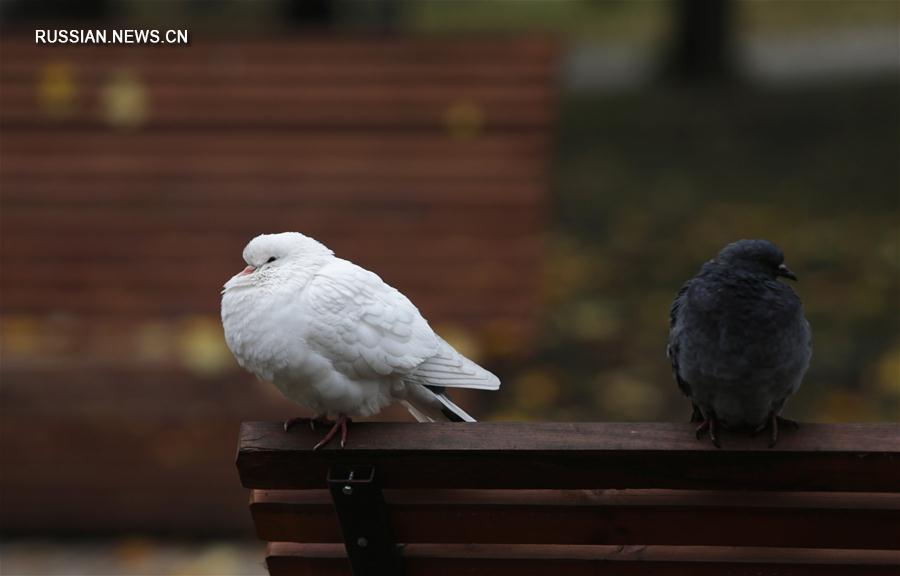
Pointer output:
x,y
335,338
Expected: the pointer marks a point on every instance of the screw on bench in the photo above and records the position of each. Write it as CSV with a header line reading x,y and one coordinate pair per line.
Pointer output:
x,y
365,522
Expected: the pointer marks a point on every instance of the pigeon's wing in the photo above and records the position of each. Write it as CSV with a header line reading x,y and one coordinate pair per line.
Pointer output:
x,y
369,329
363,326
676,305
447,368
674,337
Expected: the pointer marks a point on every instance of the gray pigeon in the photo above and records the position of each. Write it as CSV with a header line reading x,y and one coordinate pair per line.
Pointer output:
x,y
738,341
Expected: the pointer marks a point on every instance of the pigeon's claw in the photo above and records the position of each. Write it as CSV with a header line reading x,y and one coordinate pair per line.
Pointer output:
x,y
701,429
339,424
713,435
343,422
708,426
776,421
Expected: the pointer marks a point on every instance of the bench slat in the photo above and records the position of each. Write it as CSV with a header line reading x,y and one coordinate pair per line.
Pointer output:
x,y
263,142
683,518
552,455
513,107
288,559
281,191
238,164
501,70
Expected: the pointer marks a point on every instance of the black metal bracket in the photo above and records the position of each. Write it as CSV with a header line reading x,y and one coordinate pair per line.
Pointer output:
x,y
364,520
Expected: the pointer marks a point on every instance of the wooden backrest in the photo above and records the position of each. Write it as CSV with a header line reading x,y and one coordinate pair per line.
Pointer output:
x,y
133,175
551,498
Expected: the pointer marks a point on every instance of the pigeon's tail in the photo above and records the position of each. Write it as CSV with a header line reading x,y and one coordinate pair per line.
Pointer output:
x,y
431,404
451,411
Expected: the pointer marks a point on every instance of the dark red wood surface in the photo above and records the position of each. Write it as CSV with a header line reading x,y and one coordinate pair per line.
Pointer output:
x,y
437,147
768,514
285,559
349,83
591,517
817,457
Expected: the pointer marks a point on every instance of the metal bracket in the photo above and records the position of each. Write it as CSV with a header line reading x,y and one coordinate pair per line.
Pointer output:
x,y
364,520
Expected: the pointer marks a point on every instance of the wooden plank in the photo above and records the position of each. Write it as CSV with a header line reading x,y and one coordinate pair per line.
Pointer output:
x,y
456,219
292,60
288,559
627,517
351,107
163,94
288,117
285,116
352,233
150,192
488,228
265,142
402,100
19,45
82,165
39,141
545,455
491,69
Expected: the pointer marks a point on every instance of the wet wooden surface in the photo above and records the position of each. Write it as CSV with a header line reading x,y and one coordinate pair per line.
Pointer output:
x,y
286,559
588,498
551,455
594,517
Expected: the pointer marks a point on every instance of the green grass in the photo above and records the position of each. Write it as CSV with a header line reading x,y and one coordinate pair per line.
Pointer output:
x,y
639,20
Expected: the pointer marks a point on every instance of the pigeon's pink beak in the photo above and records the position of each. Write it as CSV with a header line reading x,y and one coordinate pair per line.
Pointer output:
x,y
246,271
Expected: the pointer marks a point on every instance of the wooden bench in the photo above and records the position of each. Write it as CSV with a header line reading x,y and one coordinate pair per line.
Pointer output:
x,y
132,176
574,498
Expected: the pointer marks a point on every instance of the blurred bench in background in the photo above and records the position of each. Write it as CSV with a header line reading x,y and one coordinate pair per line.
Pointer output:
x,y
588,498
132,176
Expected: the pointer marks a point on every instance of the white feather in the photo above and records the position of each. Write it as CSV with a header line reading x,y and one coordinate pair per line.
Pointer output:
x,y
333,336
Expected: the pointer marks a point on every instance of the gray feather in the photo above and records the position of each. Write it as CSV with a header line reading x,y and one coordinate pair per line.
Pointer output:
x,y
739,343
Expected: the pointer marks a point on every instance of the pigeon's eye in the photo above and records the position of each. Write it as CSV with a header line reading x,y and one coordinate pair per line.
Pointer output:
x,y
271,259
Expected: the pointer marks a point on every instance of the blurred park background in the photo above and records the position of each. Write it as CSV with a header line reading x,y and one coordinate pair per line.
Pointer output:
x,y
538,177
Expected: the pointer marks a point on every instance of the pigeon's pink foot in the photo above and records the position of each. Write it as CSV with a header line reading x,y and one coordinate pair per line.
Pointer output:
x,y
774,422
708,426
320,419
340,423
